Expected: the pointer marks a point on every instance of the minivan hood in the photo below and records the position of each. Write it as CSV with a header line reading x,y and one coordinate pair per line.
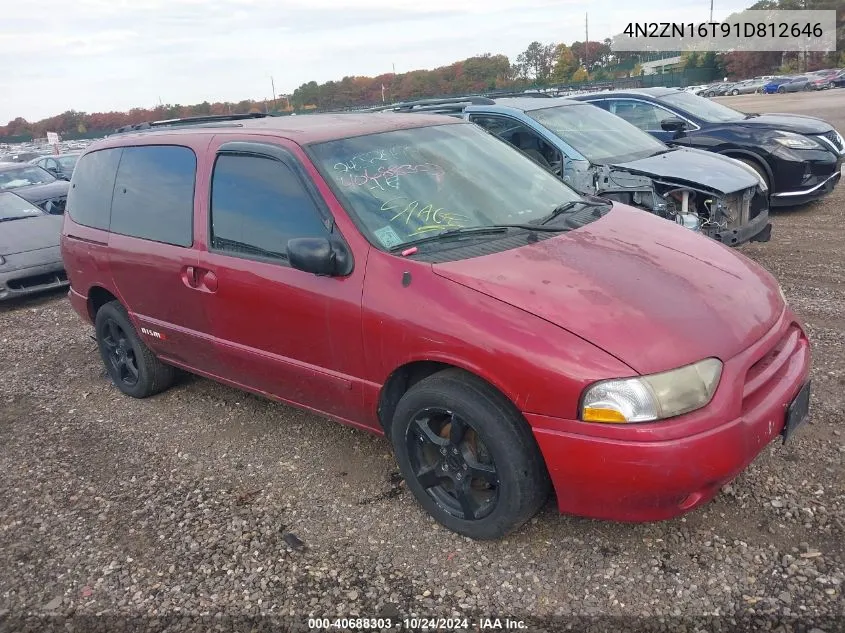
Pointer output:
x,y
651,293
39,193
789,123
696,168
30,234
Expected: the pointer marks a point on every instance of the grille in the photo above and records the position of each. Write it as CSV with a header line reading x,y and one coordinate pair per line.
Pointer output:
x,y
834,138
770,365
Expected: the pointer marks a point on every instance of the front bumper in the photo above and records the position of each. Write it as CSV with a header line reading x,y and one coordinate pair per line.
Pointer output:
x,y
28,273
802,196
656,471
758,229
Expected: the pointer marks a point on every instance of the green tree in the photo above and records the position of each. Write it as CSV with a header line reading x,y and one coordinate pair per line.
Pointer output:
x,y
536,61
565,64
690,60
580,75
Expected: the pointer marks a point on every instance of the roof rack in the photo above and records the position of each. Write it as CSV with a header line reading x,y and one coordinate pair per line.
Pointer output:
x,y
428,105
497,95
191,120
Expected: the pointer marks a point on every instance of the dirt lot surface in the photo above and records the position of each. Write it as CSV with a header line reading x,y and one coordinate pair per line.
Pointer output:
x,y
208,501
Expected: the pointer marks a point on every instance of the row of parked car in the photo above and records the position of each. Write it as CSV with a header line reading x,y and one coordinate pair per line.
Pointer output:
x,y
705,166
33,189
816,80
464,277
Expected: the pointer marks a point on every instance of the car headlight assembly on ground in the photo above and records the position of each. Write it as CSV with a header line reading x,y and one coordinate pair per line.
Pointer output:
x,y
650,398
795,141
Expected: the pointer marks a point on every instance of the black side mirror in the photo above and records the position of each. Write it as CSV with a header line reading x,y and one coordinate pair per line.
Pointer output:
x,y
320,255
673,124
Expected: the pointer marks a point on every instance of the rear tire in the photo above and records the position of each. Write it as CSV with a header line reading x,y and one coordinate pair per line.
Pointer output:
x,y
468,455
130,364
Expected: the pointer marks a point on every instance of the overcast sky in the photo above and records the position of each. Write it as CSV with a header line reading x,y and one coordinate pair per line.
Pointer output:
x,y
100,55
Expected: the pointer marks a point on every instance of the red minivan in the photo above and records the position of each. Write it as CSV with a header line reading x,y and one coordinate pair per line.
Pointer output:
x,y
414,276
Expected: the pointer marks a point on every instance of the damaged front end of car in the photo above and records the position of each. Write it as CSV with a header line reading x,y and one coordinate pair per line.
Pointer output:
x,y
732,218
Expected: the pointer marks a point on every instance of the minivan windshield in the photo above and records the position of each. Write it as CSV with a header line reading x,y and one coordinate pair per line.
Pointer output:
x,y
14,207
703,108
407,184
597,134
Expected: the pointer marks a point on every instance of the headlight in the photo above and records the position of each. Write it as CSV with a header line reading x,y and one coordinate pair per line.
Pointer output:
x,y
795,141
2,261
654,397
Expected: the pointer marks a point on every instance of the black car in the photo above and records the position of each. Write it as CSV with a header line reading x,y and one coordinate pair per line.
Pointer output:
x,y
799,157
35,185
61,166
599,154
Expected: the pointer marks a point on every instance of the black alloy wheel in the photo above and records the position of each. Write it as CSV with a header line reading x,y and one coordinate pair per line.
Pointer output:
x,y
468,455
131,365
121,356
452,464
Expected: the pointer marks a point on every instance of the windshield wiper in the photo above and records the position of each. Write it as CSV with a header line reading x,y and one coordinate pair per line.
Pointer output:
x,y
751,115
22,217
568,206
246,249
477,230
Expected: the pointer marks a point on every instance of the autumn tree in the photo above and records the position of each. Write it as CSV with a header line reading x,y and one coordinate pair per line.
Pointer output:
x,y
580,75
565,64
593,53
744,64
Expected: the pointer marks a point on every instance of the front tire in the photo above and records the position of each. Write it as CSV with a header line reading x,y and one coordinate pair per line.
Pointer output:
x,y
735,92
468,455
131,365
759,169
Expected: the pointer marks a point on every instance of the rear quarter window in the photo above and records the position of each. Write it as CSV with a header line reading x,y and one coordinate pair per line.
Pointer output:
x,y
89,198
154,194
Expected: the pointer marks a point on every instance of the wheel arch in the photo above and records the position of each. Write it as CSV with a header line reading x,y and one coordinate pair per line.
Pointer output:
x,y
410,373
98,296
751,156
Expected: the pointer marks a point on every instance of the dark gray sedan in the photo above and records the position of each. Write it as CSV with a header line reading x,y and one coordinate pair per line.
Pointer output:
x,y
796,84
30,259
749,86
36,185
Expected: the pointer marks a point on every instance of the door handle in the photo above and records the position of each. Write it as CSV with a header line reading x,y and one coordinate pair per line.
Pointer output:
x,y
189,276
199,279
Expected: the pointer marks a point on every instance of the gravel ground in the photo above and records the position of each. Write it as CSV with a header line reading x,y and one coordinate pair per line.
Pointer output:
x,y
205,501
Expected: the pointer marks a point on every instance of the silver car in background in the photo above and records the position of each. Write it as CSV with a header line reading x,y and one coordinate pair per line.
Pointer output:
x,y
30,260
